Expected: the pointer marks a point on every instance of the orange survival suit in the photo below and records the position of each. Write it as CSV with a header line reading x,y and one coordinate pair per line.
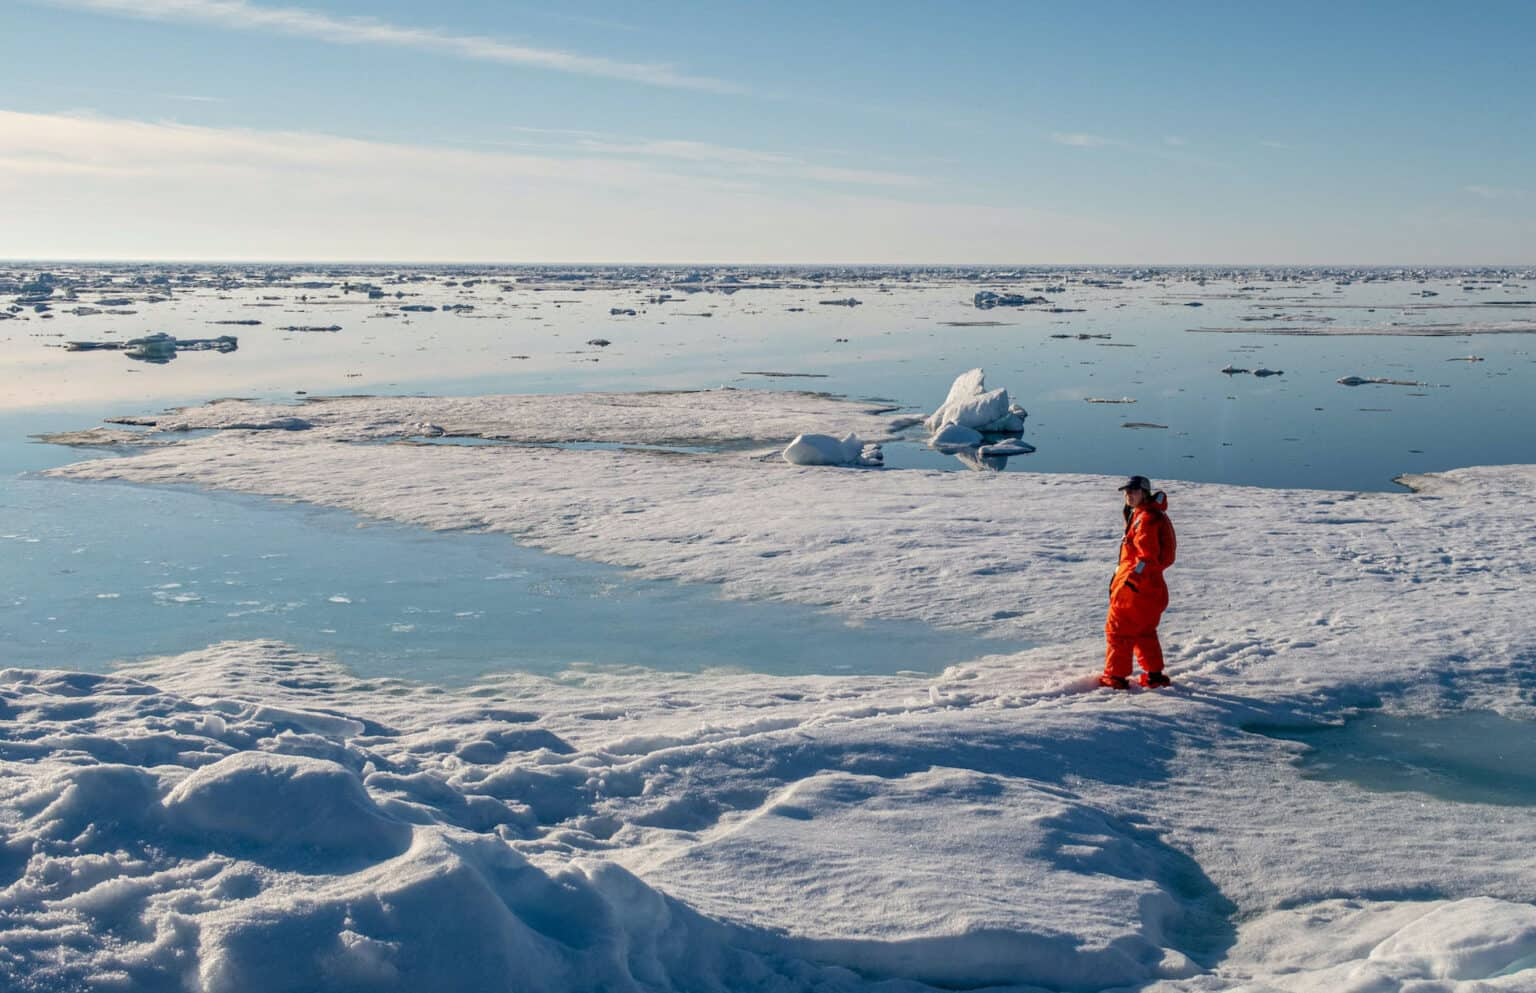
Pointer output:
x,y
1137,594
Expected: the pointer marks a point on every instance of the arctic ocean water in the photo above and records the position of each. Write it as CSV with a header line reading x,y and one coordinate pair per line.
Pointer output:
x,y
125,573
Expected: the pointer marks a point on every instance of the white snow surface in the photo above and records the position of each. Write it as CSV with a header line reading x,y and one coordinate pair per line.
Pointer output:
x,y
725,415
248,817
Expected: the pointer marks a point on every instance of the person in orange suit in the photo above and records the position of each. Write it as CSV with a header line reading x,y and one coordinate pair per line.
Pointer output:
x,y
1137,594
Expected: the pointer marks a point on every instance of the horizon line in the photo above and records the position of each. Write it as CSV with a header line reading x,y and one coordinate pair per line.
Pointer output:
x,y
167,260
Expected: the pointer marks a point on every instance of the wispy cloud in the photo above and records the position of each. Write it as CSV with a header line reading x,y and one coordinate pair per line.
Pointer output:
x,y
1272,143
1175,141
320,26
1495,192
692,151
89,186
1077,139
751,162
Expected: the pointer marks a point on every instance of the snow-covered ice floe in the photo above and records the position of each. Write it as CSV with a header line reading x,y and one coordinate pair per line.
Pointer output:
x,y
248,817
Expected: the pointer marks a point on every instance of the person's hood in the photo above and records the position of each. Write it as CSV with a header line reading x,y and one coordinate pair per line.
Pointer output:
x,y
1156,502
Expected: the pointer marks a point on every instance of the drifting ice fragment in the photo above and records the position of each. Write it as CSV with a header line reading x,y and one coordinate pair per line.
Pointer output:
x,y
1378,381
1005,449
823,449
956,435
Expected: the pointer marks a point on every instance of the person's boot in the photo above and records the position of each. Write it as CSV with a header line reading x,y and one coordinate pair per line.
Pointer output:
x,y
1155,679
1114,682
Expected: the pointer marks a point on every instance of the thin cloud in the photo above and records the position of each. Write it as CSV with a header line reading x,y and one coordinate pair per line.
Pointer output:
x,y
1272,143
1495,192
114,188
1077,139
1175,141
319,26
751,161
692,151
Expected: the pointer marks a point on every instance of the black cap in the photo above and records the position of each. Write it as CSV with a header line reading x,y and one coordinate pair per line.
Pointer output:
x,y
1138,483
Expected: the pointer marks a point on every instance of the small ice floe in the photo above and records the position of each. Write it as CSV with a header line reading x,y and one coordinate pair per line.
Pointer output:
x,y
1377,381
1005,449
823,449
987,299
424,429
1108,400
158,348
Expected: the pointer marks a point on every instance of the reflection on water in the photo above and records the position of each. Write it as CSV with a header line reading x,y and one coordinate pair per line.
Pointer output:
x,y
1471,757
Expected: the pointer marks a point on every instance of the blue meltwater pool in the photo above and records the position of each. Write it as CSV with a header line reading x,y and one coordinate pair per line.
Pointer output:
x,y
91,573
1468,757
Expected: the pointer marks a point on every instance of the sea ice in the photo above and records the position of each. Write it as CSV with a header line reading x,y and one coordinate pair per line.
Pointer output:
x,y
1001,823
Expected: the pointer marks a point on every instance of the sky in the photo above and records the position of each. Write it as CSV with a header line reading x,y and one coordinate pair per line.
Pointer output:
x,y
1392,133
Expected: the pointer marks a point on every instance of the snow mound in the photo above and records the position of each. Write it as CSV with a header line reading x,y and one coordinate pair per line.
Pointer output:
x,y
267,867
1478,938
284,802
823,449
853,863
1471,945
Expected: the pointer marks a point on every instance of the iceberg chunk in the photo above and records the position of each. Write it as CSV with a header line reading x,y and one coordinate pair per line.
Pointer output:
x,y
970,403
823,449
